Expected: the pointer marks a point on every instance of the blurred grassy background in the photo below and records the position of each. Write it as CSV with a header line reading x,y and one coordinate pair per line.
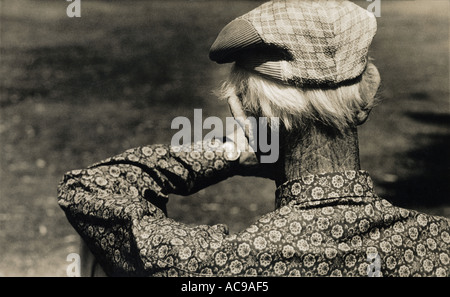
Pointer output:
x,y
78,90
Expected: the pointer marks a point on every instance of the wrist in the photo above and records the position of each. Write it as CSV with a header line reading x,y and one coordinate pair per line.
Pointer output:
x,y
231,151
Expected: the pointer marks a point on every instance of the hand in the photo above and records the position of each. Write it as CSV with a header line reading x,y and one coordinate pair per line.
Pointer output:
x,y
248,160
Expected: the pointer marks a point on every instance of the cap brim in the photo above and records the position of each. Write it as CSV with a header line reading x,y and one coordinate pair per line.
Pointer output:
x,y
238,35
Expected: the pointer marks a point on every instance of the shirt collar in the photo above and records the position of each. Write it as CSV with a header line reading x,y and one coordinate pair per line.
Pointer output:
x,y
309,188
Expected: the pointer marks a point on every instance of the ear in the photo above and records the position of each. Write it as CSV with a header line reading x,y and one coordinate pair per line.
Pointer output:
x,y
368,88
372,80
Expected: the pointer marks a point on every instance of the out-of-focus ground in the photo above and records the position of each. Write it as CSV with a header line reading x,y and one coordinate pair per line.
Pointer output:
x,y
77,90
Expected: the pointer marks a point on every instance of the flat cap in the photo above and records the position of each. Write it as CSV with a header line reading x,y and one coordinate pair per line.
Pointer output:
x,y
302,43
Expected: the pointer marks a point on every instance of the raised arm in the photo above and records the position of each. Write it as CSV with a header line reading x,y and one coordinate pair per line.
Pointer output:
x,y
107,201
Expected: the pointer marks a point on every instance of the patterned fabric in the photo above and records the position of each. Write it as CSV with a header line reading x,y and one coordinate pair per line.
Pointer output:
x,y
324,225
327,41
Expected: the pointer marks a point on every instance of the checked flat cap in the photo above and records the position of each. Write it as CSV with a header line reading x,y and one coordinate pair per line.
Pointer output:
x,y
302,43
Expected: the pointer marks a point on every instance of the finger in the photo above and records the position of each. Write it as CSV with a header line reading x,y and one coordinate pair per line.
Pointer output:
x,y
241,118
236,107
238,113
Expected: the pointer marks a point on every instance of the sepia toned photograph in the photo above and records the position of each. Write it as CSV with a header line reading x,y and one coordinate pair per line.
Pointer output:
x,y
211,138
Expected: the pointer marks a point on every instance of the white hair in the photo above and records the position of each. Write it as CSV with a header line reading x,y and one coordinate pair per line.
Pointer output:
x,y
339,107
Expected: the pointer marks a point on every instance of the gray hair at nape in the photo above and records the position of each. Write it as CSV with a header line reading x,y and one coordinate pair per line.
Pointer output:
x,y
340,107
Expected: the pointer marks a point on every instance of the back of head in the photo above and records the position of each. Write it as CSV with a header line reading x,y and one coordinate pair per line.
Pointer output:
x,y
301,61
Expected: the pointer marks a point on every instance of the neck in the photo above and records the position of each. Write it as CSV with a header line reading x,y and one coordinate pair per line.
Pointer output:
x,y
316,150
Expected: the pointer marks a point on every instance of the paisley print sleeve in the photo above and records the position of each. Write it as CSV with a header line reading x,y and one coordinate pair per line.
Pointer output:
x,y
105,201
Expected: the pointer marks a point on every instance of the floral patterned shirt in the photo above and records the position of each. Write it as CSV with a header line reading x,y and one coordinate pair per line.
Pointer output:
x,y
323,225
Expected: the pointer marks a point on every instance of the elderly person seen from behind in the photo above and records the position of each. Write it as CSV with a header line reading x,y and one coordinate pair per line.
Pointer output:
x,y
306,63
